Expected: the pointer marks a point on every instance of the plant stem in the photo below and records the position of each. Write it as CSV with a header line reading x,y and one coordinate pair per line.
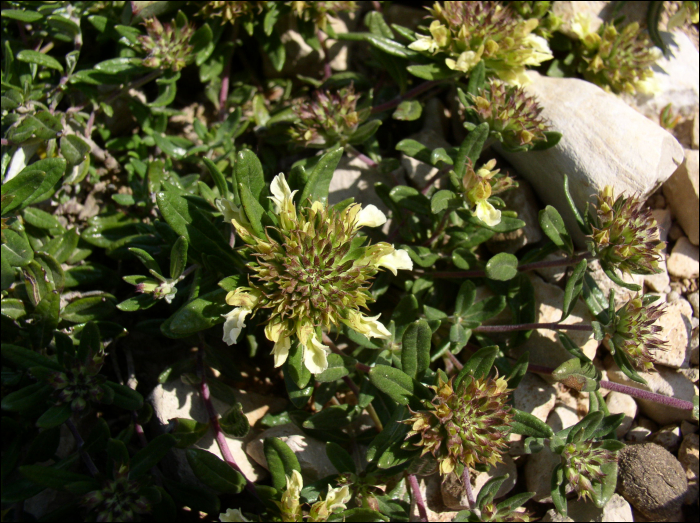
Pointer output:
x,y
438,230
468,488
214,418
327,71
522,268
366,159
646,395
417,497
411,93
81,450
455,361
531,326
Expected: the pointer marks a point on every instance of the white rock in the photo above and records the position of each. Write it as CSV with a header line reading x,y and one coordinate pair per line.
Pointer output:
x,y
552,516
355,179
178,400
694,301
604,141
310,452
521,200
619,403
683,262
675,323
668,437
622,294
543,344
681,191
641,430
568,10
658,282
617,509
562,417
418,172
538,474
677,76
454,495
429,487
665,381
533,395
689,456
696,131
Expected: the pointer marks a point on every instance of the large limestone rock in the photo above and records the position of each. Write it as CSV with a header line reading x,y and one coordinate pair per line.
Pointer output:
x,y
676,326
604,141
681,192
683,262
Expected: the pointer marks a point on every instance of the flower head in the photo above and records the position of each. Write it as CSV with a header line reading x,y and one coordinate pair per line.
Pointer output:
x,y
311,272
233,515
632,331
583,462
464,33
119,499
491,512
168,46
335,501
328,118
619,59
468,424
290,508
230,11
513,116
624,234
478,186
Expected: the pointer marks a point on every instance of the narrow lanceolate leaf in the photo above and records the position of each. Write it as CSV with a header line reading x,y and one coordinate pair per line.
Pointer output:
x,y
150,455
281,461
214,472
577,374
528,425
341,459
178,257
558,489
479,364
54,416
553,226
415,349
573,289
471,148
396,384
316,188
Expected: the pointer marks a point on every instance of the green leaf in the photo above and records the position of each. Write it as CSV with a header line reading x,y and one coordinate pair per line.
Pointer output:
x,y
295,368
35,57
358,515
149,456
336,370
465,297
178,257
42,220
234,423
74,149
51,477
384,44
479,364
408,110
434,71
578,375
574,286
411,199
197,315
298,396
604,490
571,347
124,397
25,358
654,12
27,398
625,365
489,490
196,498
364,132
471,148
89,308
485,309
318,183
608,425
444,199
21,15
421,256
21,187
610,273
528,425
331,418
553,226
477,78
281,461
585,229
398,385
90,342
595,299
558,489
414,149
502,267
188,432
249,172
340,458
214,472
35,129
54,416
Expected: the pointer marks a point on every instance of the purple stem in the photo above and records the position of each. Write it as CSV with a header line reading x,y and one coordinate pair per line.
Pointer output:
x,y
358,154
412,93
531,326
214,419
646,395
455,361
327,72
417,497
359,366
81,444
468,488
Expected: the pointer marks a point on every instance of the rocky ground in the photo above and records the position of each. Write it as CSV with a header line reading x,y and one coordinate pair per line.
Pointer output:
x,y
606,140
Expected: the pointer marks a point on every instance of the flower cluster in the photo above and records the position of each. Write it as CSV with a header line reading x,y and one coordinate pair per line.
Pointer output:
x,y
478,186
512,115
320,11
120,499
168,46
231,11
80,382
632,330
290,508
542,10
328,118
468,32
583,462
468,425
311,272
492,512
624,234
617,59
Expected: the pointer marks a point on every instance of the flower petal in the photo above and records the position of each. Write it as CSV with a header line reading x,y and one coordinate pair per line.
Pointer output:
x,y
281,350
316,356
399,259
487,213
370,216
235,321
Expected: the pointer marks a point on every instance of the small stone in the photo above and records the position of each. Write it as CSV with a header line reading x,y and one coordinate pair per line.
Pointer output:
x,y
534,396
681,191
669,437
616,509
659,281
689,455
310,452
521,200
603,140
641,430
664,221
552,516
652,480
538,474
675,232
688,427
675,323
693,300
673,296
619,403
552,275
665,381
692,373
562,417
683,262
430,490
418,172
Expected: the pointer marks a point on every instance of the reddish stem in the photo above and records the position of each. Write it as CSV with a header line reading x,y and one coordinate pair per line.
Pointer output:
x,y
646,395
422,512
359,155
468,488
531,326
